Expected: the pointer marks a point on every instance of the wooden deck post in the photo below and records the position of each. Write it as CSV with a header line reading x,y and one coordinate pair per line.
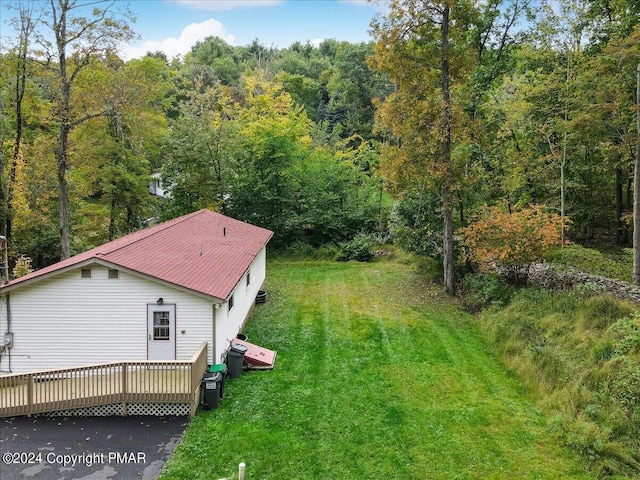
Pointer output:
x,y
124,368
30,394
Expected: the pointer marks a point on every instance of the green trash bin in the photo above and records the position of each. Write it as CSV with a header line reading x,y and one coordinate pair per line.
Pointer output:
x,y
218,368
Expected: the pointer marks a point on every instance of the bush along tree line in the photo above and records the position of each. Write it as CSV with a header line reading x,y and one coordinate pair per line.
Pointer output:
x,y
457,114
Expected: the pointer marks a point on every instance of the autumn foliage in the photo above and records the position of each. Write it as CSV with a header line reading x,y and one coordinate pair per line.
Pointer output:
x,y
499,238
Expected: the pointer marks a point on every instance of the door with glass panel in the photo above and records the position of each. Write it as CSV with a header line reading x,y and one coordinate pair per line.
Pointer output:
x,y
161,332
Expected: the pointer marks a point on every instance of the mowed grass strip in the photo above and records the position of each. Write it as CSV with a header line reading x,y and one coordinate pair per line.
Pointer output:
x,y
377,377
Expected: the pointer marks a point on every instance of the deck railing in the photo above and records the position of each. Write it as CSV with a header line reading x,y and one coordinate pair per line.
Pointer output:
x,y
174,381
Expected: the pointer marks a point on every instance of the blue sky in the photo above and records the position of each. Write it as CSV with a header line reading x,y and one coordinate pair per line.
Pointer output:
x,y
173,26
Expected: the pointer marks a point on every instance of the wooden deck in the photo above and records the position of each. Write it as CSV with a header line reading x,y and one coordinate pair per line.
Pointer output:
x,y
104,384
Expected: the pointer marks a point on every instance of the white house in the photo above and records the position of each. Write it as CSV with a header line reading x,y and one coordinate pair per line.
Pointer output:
x,y
155,294
157,188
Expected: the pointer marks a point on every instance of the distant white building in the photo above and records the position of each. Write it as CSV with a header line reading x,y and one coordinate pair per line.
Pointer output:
x,y
156,187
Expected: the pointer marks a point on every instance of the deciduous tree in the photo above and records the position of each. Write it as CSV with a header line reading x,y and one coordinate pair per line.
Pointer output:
x,y
274,137
114,174
204,147
79,31
24,25
423,47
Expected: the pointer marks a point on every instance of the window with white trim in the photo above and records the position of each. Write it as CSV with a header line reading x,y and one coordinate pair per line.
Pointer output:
x,y
161,325
230,303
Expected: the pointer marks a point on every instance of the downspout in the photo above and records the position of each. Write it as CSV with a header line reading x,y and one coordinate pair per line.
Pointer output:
x,y
7,339
215,308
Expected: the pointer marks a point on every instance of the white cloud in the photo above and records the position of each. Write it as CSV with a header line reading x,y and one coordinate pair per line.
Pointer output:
x,y
173,46
217,5
358,3
316,42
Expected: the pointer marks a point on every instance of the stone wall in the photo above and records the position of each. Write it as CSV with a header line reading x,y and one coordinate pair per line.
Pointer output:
x,y
556,277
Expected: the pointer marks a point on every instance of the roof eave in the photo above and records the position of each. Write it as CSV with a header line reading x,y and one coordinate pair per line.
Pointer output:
x,y
18,283
248,268
108,264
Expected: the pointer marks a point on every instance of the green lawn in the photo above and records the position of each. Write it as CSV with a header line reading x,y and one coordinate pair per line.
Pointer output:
x,y
377,377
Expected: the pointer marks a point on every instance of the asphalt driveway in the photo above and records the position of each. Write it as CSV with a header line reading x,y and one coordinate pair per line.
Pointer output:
x,y
87,448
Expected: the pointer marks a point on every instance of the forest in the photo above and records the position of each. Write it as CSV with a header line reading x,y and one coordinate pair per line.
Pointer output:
x,y
459,119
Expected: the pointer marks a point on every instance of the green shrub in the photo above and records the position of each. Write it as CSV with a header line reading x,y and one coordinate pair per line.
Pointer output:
x,y
428,268
626,335
360,248
326,252
481,290
625,387
604,353
299,250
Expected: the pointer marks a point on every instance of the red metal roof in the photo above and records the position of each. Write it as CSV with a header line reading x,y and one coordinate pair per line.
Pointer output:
x,y
204,251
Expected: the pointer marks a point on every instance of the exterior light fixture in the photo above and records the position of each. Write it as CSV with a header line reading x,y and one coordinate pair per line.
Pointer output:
x,y
160,301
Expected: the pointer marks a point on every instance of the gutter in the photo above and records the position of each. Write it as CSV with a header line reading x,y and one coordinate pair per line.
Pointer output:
x,y
6,342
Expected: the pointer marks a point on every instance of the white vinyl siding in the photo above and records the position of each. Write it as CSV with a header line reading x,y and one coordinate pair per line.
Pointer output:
x,y
229,322
67,321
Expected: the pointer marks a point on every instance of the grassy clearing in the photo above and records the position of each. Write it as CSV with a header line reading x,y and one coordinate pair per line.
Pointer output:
x,y
376,378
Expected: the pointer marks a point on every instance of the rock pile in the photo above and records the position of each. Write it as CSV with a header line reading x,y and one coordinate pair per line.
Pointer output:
x,y
556,277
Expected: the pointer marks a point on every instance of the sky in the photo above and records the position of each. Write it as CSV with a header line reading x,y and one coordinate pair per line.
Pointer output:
x,y
174,26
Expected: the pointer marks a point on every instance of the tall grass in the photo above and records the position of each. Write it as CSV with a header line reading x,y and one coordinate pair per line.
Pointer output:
x,y
580,356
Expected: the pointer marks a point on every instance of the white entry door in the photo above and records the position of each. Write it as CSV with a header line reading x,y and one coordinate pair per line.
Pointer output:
x,y
161,332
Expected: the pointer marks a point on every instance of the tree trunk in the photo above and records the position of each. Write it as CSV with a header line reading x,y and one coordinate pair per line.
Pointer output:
x,y
629,193
61,160
563,162
619,222
20,87
447,195
63,138
447,247
636,192
26,28
112,214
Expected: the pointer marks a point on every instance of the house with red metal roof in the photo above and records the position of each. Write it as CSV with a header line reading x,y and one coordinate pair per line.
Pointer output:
x,y
155,294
